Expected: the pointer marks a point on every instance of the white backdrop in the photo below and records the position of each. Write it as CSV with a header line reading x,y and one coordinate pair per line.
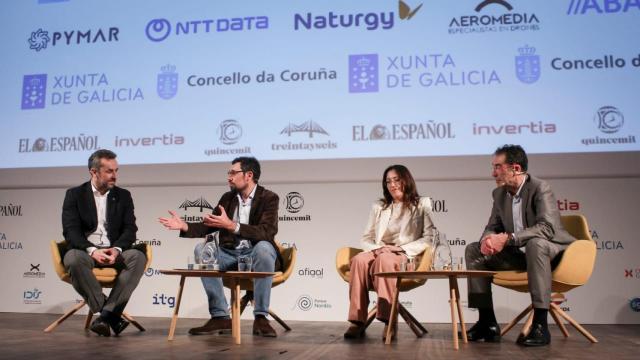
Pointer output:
x,y
338,212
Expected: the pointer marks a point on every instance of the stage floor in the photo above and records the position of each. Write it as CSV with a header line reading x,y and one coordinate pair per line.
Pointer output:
x,y
22,337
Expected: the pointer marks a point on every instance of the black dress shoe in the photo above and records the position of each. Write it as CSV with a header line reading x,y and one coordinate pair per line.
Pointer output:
x,y
211,326
100,326
119,325
487,332
538,336
261,327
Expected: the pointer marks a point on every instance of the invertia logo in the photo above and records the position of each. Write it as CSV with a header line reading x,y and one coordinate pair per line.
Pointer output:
x,y
515,129
568,205
164,139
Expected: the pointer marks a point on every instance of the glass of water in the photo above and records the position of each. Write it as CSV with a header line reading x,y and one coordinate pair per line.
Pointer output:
x,y
245,263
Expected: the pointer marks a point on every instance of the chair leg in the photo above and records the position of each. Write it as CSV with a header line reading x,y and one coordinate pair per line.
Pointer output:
x,y
245,300
279,320
133,321
412,324
574,323
559,322
87,321
64,317
371,316
527,325
516,319
412,319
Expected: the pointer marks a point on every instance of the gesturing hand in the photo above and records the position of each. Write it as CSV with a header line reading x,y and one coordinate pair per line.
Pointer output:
x,y
174,222
221,221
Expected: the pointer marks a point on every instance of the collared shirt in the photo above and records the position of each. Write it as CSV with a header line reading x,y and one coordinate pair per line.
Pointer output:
x,y
516,209
99,237
241,216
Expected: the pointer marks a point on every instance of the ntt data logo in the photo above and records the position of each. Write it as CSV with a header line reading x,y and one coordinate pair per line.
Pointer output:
x,y
586,7
160,29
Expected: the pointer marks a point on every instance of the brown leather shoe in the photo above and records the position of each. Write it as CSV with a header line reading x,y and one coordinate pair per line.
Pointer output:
x,y
394,330
355,331
211,326
261,327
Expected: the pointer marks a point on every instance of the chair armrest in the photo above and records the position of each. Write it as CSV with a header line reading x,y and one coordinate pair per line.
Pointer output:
x,y
56,258
576,264
343,259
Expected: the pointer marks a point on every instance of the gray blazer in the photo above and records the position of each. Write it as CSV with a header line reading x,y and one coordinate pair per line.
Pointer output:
x,y
541,218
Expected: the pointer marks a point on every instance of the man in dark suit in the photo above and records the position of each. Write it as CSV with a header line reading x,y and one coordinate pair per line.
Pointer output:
x,y
99,227
245,222
524,232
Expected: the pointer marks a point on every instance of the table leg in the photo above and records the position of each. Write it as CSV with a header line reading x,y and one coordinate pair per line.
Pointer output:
x,y
174,319
235,309
393,318
463,327
453,303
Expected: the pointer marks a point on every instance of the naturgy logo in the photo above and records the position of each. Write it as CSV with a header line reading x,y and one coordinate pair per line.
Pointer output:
x,y
370,21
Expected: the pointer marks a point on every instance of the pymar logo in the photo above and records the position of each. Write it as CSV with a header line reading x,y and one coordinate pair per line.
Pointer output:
x,y
308,127
39,39
200,204
581,7
363,73
34,91
609,119
634,304
229,132
167,86
32,297
159,29
527,65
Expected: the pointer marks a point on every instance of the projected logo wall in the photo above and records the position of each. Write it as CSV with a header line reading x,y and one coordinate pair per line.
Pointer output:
x,y
40,39
229,132
309,129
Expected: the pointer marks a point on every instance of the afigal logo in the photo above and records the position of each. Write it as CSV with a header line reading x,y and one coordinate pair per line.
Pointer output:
x,y
32,297
528,65
308,303
312,273
34,272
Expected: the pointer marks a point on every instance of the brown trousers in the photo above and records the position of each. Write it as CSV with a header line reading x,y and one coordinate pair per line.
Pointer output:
x,y
363,266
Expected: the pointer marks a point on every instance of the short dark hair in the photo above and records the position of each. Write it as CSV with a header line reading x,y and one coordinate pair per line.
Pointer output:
x,y
94,159
248,163
411,196
514,154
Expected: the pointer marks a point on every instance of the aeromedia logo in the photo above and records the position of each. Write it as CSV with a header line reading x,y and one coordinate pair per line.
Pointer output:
x,y
40,39
160,29
369,21
496,16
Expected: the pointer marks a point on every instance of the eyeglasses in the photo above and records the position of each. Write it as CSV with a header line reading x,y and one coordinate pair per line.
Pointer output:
x,y
497,166
234,172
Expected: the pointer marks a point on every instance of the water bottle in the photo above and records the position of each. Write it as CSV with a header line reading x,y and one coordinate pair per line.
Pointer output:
x,y
210,252
441,253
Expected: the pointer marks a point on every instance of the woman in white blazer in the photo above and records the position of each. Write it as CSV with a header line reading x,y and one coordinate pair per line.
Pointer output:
x,y
399,227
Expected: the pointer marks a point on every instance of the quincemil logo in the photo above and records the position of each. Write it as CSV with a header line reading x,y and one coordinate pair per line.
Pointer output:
x,y
80,142
582,7
369,21
191,216
497,16
429,130
609,120
40,39
307,303
160,29
408,71
309,128
634,304
71,89
34,272
6,244
528,65
167,86
32,297
229,132
294,202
